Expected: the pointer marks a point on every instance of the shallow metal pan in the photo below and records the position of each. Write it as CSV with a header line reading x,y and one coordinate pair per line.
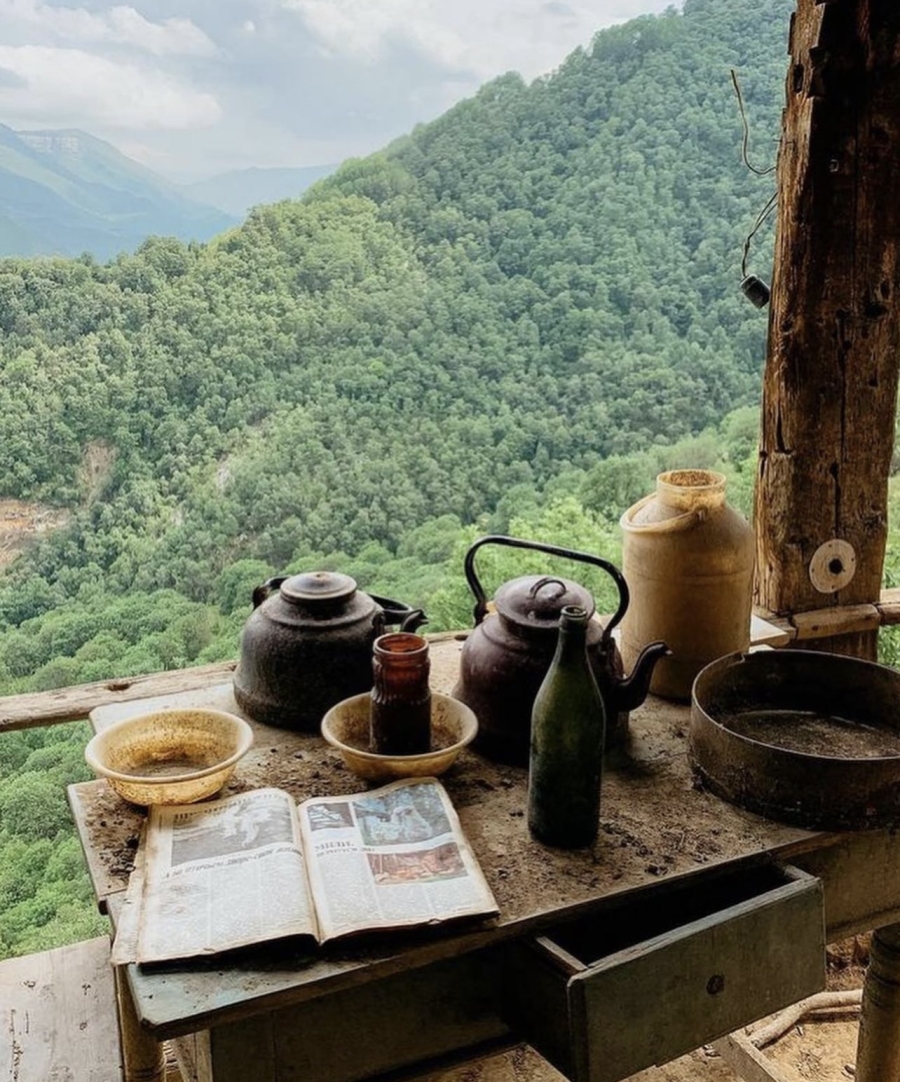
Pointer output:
x,y
808,738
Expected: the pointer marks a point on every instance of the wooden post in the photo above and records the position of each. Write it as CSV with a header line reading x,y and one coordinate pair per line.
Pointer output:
x,y
830,388
143,1058
878,1048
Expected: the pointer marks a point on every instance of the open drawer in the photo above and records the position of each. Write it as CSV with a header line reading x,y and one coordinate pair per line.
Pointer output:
x,y
660,975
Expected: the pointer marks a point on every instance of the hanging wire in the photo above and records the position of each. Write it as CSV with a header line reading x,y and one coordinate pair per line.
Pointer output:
x,y
754,288
757,225
746,129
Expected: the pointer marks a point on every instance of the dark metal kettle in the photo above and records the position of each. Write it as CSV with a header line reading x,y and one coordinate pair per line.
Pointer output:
x,y
308,644
506,656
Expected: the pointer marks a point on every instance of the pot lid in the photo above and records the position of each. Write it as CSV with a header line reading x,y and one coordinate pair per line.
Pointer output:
x,y
312,586
534,602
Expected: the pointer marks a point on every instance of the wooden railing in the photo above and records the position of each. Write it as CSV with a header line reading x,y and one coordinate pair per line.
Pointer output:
x,y
38,708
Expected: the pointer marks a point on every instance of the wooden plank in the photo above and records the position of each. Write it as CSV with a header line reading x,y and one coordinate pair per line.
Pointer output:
x,y
889,606
747,1062
58,1015
830,385
74,703
826,623
768,632
112,699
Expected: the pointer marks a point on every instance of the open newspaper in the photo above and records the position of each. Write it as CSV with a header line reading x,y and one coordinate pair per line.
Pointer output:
x,y
256,867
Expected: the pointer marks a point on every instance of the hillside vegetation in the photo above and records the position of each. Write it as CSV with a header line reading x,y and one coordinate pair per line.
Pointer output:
x,y
510,319
544,277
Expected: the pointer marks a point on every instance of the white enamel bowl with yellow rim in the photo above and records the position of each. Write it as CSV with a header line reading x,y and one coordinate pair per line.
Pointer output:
x,y
174,756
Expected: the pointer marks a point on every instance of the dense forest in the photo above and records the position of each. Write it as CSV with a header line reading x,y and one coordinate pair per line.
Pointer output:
x,y
509,320
498,309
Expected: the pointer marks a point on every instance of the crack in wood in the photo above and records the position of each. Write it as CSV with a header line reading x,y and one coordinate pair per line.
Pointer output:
x,y
779,436
834,470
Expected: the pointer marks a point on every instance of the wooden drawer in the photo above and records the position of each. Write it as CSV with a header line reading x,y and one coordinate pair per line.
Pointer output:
x,y
654,978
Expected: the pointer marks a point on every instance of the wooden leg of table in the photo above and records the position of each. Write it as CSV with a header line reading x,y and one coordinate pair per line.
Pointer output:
x,y
747,1061
143,1058
878,1050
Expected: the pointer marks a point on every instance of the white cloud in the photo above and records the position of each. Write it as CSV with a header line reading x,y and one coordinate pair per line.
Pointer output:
x,y
80,89
118,25
271,82
530,36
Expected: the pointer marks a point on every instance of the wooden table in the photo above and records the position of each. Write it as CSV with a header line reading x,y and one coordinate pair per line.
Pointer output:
x,y
670,860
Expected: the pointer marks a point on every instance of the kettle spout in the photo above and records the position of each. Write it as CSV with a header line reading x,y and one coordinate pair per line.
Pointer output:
x,y
630,693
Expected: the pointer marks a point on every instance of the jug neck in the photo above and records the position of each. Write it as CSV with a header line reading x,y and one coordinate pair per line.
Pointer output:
x,y
691,490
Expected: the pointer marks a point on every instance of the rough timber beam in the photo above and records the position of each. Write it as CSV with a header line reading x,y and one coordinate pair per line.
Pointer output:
x,y
830,388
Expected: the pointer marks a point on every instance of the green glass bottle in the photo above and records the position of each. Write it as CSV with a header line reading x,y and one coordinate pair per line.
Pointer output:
x,y
567,728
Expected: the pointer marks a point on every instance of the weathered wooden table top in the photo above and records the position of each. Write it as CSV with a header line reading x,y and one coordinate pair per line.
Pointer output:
x,y
657,827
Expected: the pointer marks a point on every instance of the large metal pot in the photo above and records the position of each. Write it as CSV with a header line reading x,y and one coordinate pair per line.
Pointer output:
x,y
308,644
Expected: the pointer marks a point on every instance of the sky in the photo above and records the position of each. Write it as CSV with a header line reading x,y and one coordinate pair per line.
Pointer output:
x,y
192,88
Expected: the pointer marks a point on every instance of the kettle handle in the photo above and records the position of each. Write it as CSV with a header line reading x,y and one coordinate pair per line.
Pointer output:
x,y
260,593
480,610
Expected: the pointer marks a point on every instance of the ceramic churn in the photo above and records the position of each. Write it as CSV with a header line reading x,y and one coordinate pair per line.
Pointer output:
x,y
687,557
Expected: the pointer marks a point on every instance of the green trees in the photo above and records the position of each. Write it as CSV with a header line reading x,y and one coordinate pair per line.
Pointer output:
x,y
508,320
44,892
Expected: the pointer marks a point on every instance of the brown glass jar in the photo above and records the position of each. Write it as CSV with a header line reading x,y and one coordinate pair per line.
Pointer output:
x,y
401,697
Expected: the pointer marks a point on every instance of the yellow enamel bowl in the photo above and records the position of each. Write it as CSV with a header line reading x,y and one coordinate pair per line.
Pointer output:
x,y
175,756
346,727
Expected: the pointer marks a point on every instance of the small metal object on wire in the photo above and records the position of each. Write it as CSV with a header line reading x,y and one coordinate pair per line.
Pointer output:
x,y
756,290
753,287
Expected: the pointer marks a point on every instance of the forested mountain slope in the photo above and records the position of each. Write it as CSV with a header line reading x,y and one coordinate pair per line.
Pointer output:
x,y
546,275
508,320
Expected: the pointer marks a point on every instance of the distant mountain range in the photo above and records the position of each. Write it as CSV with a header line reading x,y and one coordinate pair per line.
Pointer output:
x,y
67,192
238,191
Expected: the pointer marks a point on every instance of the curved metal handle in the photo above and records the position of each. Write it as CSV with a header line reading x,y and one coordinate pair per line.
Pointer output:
x,y
396,612
547,580
480,610
415,619
262,592
685,521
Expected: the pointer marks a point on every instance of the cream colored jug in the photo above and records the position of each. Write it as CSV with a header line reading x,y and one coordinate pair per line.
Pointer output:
x,y
688,560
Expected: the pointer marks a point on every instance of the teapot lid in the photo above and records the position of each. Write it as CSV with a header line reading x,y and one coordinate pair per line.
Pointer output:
x,y
534,602
312,586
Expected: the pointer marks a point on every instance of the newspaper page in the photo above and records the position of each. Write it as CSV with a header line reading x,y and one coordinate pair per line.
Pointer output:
x,y
391,857
222,875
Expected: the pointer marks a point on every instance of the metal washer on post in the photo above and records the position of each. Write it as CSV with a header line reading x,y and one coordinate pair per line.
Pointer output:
x,y
832,566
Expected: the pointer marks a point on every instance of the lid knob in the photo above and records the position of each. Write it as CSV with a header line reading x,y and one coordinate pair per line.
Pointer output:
x,y
312,586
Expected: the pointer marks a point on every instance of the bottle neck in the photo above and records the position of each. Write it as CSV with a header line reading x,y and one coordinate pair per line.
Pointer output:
x,y
572,640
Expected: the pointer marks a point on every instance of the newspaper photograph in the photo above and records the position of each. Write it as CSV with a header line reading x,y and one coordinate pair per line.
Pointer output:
x,y
390,858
